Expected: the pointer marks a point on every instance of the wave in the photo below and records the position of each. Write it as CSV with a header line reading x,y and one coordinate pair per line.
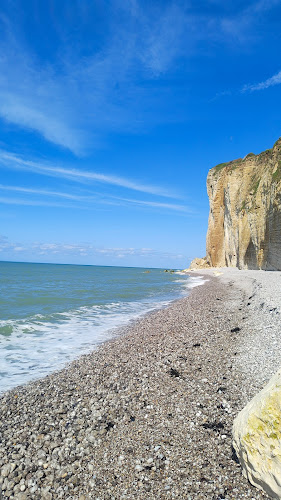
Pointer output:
x,y
32,347
36,346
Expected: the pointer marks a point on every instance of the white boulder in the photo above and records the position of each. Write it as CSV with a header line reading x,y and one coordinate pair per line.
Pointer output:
x,y
257,438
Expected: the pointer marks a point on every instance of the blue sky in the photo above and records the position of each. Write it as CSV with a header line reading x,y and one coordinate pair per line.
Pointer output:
x,y
112,113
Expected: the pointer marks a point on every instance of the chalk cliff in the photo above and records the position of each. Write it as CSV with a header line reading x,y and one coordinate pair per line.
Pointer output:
x,y
244,227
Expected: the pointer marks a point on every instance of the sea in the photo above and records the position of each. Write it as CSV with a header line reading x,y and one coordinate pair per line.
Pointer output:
x,y
53,313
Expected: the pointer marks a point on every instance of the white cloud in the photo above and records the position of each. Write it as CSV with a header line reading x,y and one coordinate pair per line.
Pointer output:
x,y
72,249
43,192
36,203
83,202
263,5
16,162
53,128
162,39
270,82
155,204
75,99
39,197
7,246
4,243
238,26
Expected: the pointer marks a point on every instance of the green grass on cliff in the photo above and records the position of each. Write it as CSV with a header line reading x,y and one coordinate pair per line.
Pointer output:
x,y
266,157
254,188
276,176
232,165
243,206
219,167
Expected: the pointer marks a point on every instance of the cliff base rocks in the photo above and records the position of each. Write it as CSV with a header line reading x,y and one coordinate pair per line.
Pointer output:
x,y
198,263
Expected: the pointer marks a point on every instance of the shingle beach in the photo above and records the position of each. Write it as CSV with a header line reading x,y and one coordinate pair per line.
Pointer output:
x,y
149,414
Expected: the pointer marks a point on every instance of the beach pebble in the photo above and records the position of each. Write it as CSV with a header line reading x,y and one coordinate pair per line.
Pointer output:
x,y
5,470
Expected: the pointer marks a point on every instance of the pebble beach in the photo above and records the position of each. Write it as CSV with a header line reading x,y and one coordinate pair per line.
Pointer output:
x,y
148,415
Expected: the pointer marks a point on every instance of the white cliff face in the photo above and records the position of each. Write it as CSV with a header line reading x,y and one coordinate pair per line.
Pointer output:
x,y
257,438
244,227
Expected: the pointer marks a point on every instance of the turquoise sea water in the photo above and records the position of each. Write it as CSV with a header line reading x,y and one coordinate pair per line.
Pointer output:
x,y
50,314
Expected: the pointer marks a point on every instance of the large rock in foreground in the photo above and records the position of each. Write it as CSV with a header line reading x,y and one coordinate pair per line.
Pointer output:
x,y
244,227
257,438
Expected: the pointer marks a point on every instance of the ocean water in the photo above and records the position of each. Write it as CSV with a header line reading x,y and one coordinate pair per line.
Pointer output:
x,y
51,314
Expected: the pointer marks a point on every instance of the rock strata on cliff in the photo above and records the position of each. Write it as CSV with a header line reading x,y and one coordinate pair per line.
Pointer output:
x,y
244,227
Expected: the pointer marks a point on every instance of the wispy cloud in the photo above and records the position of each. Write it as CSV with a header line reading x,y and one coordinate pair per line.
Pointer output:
x,y
270,82
53,128
84,202
223,93
77,98
80,94
16,162
44,192
35,203
4,243
155,204
39,249
263,5
163,39
237,26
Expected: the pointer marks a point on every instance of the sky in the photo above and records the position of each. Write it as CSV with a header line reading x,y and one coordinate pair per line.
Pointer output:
x,y
111,115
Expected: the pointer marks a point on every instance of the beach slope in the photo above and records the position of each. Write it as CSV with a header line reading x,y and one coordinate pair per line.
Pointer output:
x,y
149,414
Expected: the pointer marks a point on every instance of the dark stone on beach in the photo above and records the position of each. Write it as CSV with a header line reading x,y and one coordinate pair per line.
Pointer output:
x,y
221,389
197,344
202,478
174,373
236,329
214,426
234,456
109,426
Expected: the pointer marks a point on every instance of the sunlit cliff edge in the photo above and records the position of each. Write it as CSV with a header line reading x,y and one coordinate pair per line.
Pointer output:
x,y
244,228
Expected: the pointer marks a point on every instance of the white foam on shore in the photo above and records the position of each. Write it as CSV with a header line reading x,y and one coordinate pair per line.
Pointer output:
x,y
196,281
35,347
